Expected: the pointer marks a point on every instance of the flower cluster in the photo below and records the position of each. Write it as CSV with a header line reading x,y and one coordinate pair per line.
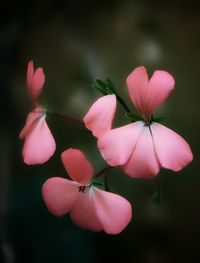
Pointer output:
x,y
142,147
139,148
89,206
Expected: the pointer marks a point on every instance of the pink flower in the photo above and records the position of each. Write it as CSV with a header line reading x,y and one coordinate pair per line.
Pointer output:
x,y
89,207
143,147
39,143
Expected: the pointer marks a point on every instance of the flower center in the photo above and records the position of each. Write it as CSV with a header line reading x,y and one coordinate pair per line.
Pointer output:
x,y
147,120
82,188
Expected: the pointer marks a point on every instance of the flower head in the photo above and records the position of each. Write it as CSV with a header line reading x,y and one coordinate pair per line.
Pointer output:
x,y
143,147
39,143
89,207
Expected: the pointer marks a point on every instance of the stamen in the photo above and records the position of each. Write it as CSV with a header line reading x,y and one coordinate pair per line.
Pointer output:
x,y
82,188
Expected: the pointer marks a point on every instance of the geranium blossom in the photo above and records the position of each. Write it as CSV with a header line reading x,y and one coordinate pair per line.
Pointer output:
x,y
39,143
89,207
143,147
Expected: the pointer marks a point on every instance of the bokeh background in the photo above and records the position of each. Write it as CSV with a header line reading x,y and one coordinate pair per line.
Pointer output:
x,y
76,42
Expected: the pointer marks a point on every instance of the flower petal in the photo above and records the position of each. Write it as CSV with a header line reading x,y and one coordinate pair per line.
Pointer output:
x,y
137,83
143,162
31,119
39,143
159,88
37,84
148,96
117,145
100,116
60,195
113,211
83,212
172,150
76,165
29,77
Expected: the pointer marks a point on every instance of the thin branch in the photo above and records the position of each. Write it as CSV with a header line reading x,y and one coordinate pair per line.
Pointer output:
x,y
123,104
106,183
102,171
67,117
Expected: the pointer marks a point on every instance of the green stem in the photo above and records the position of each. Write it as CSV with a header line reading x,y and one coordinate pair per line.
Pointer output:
x,y
123,103
67,117
102,171
106,183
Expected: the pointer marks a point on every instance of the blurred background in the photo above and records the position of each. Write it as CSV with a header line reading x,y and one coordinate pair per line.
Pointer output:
x,y
76,42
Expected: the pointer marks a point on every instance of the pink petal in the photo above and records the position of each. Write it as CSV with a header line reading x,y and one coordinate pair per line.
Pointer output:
x,y
117,145
30,71
39,143
76,165
84,214
37,84
35,81
143,162
31,119
60,195
159,88
172,150
100,116
137,83
113,211
148,96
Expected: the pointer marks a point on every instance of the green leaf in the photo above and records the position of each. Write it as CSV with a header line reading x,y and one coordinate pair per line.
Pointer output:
x,y
134,117
111,86
106,87
101,84
101,90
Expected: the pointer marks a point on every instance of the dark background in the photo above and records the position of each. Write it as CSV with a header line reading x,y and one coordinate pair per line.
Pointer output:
x,y
76,42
